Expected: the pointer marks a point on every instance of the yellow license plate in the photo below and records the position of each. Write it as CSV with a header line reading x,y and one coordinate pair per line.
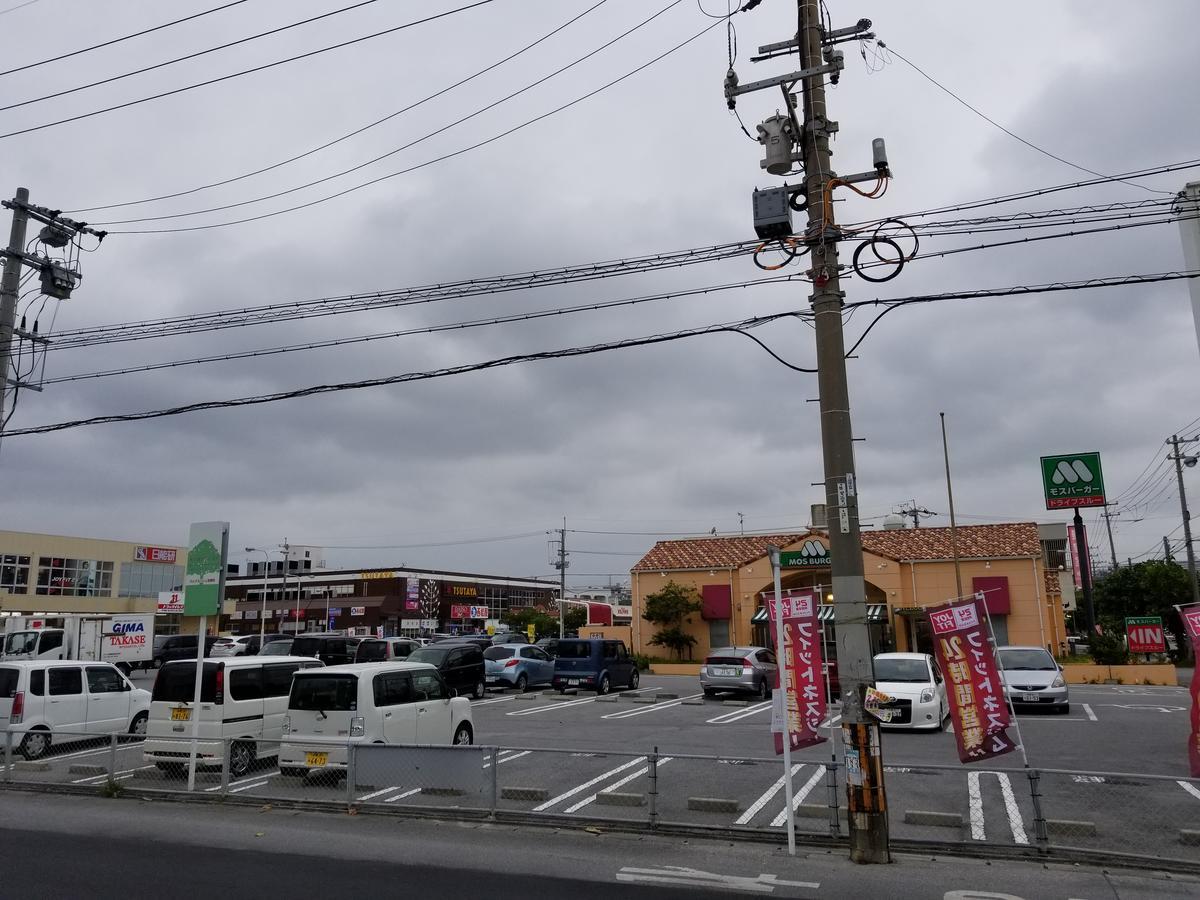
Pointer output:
x,y
181,715
316,759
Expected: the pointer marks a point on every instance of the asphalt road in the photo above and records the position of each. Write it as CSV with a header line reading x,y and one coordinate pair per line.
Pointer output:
x,y
91,847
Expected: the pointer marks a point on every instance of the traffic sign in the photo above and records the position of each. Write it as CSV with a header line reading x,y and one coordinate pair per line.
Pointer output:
x,y
1073,479
1145,634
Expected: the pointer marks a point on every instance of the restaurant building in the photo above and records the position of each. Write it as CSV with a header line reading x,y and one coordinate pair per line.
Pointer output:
x,y
905,572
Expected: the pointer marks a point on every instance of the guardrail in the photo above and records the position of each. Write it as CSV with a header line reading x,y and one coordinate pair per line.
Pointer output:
x,y
1100,816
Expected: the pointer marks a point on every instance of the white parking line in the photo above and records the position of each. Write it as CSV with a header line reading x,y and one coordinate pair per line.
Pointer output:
x,y
246,787
612,787
1010,805
587,784
560,704
508,756
1191,789
379,793
630,713
493,700
727,718
1087,709
762,801
232,784
402,796
799,796
96,779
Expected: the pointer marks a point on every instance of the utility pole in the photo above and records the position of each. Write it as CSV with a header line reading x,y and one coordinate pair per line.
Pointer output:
x,y
10,290
1112,548
917,512
1188,461
1167,554
562,577
950,497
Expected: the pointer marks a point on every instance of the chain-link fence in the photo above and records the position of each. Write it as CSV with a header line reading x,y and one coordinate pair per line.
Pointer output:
x,y
1050,811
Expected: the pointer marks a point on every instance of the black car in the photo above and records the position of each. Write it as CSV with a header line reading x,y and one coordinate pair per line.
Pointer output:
x,y
549,645
331,649
459,662
180,646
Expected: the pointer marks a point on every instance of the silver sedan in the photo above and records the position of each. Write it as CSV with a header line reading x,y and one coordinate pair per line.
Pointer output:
x,y
749,670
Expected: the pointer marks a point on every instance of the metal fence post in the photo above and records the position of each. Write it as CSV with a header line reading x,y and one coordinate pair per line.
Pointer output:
x,y
8,757
226,759
1039,819
112,758
835,826
495,781
653,778
350,773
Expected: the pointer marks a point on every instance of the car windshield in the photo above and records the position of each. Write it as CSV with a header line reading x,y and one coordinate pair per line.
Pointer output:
x,y
915,671
276,648
371,651
433,655
307,646
1033,659
20,642
176,683
574,649
498,653
324,693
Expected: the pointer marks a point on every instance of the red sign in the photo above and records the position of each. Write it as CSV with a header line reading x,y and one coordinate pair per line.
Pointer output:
x,y
460,611
154,554
1076,563
800,668
973,685
1191,623
1145,637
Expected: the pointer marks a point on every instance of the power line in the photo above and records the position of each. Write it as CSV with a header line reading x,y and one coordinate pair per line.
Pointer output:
x,y
429,162
18,6
355,132
232,75
409,145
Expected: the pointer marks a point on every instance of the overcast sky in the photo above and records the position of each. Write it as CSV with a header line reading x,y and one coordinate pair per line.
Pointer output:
x,y
671,439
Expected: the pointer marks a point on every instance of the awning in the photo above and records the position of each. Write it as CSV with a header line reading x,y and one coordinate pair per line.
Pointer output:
x,y
876,612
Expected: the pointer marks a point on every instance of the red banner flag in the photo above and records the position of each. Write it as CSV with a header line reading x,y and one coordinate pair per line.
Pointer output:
x,y
1191,622
973,684
800,670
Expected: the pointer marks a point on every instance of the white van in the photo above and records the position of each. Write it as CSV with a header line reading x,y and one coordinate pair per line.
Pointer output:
x,y
368,703
242,699
44,701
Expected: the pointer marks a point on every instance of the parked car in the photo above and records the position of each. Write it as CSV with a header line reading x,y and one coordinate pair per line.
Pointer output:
x,y
549,645
277,646
915,684
510,637
1032,677
459,663
748,670
242,702
47,701
242,645
368,703
482,641
331,649
384,649
517,666
183,646
594,663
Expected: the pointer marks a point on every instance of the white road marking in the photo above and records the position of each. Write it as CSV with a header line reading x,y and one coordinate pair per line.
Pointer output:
x,y
403,795
560,704
680,875
762,801
246,787
1016,826
727,718
1190,788
475,703
248,778
508,756
380,793
1089,779
630,713
1161,709
96,779
612,787
1087,709
587,784
830,722
799,796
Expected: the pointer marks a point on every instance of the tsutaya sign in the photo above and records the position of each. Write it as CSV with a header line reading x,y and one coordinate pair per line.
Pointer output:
x,y
812,554
1072,480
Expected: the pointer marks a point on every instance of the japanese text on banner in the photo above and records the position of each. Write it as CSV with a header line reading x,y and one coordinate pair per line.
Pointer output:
x,y
799,671
1191,623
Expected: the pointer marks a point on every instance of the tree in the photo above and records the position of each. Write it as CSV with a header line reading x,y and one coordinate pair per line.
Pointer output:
x,y
1151,588
669,608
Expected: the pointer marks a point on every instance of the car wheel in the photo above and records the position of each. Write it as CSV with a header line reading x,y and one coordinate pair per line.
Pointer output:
x,y
138,725
241,758
35,745
764,692
709,692
1065,708
604,686
462,735
522,683
634,680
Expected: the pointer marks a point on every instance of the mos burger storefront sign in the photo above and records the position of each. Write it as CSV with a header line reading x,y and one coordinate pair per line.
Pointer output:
x,y
812,554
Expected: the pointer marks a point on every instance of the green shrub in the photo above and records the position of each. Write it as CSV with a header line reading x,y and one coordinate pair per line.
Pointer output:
x,y
1108,648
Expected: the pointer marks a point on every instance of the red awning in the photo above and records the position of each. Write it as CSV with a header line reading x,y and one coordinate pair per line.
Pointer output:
x,y
716,602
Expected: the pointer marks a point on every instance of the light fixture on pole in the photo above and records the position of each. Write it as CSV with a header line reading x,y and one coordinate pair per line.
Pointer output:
x,y
262,623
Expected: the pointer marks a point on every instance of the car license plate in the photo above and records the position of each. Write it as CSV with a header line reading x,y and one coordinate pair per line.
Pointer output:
x,y
181,715
316,759
1030,698
728,671
572,681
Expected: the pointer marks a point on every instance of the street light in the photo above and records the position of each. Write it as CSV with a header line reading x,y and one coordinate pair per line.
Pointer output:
x,y
262,625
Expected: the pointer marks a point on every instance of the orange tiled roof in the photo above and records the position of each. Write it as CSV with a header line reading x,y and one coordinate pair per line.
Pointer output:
x,y
974,542
1052,583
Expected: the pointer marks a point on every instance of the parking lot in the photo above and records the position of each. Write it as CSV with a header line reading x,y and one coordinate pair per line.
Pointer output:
x,y
589,758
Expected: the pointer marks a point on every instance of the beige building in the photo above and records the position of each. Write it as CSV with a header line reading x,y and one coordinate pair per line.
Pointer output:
x,y
905,570
49,574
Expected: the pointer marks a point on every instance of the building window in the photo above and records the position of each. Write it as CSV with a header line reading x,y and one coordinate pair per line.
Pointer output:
x,y
14,574
141,579
61,577
718,633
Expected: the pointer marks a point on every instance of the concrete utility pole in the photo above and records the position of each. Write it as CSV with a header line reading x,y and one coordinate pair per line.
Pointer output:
x,y
1112,548
917,512
1189,461
562,577
950,498
10,290
866,801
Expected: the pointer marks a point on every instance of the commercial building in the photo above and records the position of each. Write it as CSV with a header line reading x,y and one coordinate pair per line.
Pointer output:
x,y
397,599
905,572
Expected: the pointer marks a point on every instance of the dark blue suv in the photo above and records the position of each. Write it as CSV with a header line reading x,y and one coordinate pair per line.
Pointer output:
x,y
594,664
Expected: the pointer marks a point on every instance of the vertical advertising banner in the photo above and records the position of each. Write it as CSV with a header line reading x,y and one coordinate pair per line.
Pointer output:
x,y
802,704
973,684
412,596
1191,623
1077,563
204,582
